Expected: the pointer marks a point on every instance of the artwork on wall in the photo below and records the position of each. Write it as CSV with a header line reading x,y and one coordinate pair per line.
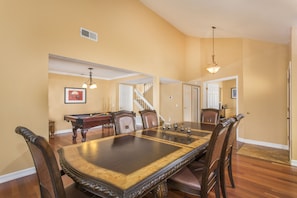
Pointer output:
x,y
74,95
233,93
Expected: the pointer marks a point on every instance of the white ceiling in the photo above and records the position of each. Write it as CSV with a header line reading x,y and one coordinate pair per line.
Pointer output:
x,y
68,66
267,20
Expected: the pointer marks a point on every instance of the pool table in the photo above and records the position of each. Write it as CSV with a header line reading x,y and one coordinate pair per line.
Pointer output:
x,y
86,121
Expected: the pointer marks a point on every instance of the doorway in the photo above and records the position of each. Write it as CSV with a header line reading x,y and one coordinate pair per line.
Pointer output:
x,y
125,97
219,94
191,103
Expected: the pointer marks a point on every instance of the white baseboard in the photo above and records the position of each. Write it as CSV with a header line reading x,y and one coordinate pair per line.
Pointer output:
x,y
267,144
293,162
63,131
17,174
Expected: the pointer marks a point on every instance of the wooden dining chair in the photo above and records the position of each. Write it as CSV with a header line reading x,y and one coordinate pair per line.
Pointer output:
x,y
124,121
48,173
149,118
210,115
199,178
226,161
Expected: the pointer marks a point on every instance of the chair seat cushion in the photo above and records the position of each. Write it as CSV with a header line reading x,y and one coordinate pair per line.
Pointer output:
x,y
188,179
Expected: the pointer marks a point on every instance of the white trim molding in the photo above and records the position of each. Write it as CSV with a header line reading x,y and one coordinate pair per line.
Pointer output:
x,y
267,144
17,174
293,162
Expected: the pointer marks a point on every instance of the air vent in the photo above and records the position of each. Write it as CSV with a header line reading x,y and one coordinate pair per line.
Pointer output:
x,y
88,34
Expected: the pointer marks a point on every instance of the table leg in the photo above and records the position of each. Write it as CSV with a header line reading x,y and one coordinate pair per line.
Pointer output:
x,y
84,135
161,191
74,130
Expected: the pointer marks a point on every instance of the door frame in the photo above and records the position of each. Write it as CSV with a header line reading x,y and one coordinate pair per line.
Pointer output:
x,y
289,107
204,99
125,97
188,102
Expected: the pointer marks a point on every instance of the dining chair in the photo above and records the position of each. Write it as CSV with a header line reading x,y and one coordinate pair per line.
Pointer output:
x,y
199,178
48,173
149,118
124,121
210,115
226,161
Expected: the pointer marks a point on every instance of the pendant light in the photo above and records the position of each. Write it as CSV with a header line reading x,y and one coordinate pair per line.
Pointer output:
x,y
214,68
90,81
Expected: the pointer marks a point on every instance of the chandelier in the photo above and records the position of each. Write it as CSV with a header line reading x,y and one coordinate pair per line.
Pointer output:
x,y
214,68
90,81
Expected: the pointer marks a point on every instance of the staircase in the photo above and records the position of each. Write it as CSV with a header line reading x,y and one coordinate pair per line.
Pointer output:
x,y
142,103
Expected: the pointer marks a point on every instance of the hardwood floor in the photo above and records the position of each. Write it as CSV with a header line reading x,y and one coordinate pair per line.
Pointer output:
x,y
254,178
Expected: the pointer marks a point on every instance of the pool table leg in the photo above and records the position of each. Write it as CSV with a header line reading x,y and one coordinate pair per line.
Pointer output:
x,y
74,130
84,135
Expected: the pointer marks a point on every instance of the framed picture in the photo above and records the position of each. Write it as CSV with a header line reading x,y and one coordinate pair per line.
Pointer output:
x,y
74,95
233,92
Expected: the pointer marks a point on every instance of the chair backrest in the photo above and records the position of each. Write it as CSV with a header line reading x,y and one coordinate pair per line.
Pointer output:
x,y
149,118
50,181
124,121
213,155
210,115
233,127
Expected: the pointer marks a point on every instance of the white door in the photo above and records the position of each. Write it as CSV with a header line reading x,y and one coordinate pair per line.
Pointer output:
x,y
187,102
191,103
195,104
126,97
213,95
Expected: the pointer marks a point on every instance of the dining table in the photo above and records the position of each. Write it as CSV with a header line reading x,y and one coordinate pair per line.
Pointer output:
x,y
134,164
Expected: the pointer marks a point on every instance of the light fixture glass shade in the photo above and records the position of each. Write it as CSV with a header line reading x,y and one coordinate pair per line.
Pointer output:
x,y
90,82
93,86
214,69
84,85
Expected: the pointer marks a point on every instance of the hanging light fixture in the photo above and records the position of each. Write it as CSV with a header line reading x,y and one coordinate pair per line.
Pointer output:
x,y
214,68
90,81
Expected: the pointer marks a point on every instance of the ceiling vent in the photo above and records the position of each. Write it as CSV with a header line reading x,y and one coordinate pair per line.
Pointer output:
x,y
88,34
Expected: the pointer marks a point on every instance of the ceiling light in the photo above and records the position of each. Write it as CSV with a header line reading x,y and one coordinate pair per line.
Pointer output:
x,y
90,82
214,68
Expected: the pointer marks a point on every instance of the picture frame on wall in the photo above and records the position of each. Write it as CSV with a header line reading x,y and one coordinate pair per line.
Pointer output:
x,y
74,95
233,93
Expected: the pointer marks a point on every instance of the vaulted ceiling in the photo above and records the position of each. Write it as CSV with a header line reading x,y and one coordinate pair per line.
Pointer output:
x,y
267,20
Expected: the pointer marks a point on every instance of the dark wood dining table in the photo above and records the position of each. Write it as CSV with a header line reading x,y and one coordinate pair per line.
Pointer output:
x,y
131,165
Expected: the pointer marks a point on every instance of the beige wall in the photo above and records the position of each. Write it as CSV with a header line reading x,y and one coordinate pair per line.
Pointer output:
x,y
261,71
102,99
171,102
228,54
226,97
131,37
264,91
192,58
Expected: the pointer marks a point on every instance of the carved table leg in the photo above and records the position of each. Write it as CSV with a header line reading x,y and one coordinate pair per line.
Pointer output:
x,y
161,191
74,130
83,135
